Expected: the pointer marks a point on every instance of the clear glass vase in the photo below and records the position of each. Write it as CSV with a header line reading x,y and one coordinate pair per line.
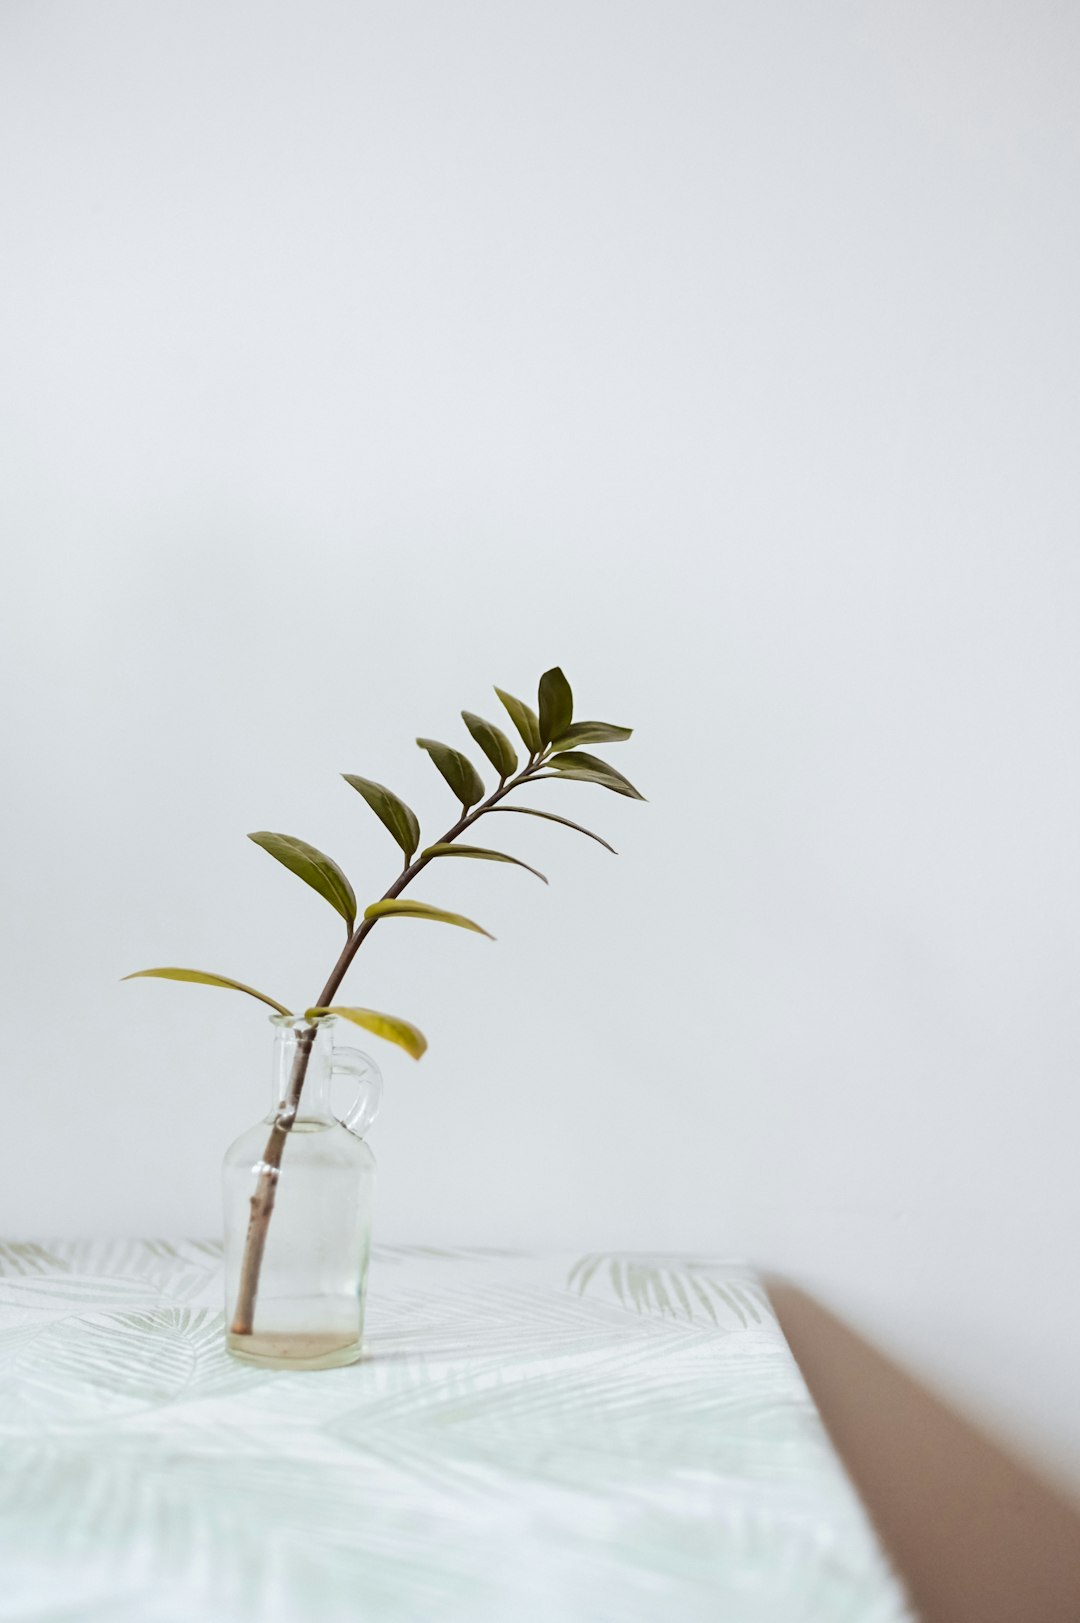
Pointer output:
x,y
299,1188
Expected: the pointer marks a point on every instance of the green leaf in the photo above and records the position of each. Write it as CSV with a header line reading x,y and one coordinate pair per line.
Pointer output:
x,y
390,1026
314,868
206,980
451,849
392,812
494,743
395,908
590,732
590,769
556,705
551,817
525,720
459,772
606,780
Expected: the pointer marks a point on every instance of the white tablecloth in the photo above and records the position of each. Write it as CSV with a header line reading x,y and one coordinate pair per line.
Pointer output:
x,y
531,1439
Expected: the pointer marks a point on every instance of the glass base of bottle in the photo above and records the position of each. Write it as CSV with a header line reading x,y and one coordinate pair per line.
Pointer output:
x,y
293,1350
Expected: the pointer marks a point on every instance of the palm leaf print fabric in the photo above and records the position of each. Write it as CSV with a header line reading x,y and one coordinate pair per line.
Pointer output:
x,y
529,1439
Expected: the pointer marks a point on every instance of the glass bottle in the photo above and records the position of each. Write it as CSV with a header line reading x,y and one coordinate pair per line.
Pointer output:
x,y
298,1190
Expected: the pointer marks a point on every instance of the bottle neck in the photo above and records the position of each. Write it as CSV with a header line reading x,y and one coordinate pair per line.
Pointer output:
x,y
303,1055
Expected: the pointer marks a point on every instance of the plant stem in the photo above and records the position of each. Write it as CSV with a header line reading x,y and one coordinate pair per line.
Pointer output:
x,y
262,1201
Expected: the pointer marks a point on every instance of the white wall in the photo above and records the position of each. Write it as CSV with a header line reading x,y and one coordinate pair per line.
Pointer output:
x,y
358,356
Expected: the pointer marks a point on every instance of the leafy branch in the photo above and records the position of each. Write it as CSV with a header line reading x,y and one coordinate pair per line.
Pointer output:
x,y
550,737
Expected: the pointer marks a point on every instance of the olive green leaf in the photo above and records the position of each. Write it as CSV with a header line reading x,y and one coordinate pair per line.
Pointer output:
x,y
457,769
606,780
552,817
590,769
525,720
314,868
494,743
590,732
556,705
206,980
391,811
482,852
395,908
390,1026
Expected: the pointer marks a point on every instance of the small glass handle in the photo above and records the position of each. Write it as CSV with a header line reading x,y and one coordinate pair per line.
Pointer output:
x,y
368,1078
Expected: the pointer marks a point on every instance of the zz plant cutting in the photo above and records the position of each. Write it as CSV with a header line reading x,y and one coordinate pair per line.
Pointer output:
x,y
552,749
